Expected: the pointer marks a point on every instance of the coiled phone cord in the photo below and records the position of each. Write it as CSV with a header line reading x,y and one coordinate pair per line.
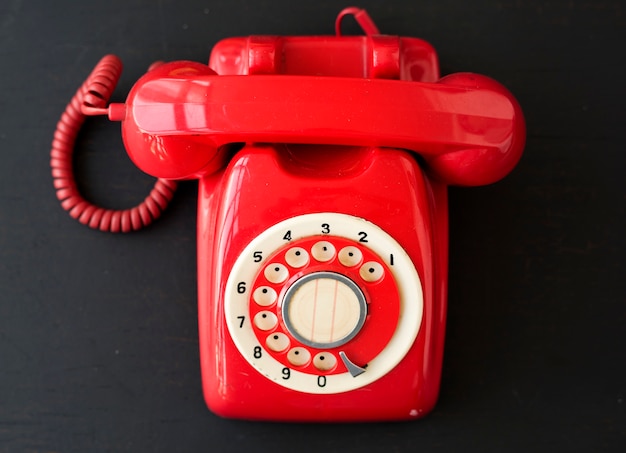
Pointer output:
x,y
91,99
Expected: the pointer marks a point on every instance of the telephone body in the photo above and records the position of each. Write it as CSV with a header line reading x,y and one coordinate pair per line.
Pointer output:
x,y
323,164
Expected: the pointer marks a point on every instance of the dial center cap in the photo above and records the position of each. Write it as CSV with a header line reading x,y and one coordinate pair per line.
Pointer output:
x,y
324,309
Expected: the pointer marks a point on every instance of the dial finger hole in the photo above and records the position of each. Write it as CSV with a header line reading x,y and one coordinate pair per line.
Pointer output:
x,y
324,361
276,273
264,296
371,271
277,342
350,256
265,320
298,356
323,251
297,257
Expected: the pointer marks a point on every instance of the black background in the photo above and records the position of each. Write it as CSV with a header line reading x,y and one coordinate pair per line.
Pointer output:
x,y
98,334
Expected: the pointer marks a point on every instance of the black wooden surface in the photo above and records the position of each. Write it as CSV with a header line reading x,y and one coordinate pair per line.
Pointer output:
x,y
98,335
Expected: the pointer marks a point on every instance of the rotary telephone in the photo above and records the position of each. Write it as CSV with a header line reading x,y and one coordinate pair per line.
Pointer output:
x,y
323,164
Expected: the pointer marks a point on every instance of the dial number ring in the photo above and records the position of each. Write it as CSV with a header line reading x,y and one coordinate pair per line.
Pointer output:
x,y
388,309
326,306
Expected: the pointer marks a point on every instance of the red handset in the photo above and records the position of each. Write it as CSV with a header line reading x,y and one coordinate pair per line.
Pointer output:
x,y
466,126
322,220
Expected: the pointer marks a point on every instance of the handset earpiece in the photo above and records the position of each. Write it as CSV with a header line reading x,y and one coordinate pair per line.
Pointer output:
x,y
502,132
169,156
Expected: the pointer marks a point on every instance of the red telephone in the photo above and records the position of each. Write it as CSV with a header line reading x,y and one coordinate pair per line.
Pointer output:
x,y
323,164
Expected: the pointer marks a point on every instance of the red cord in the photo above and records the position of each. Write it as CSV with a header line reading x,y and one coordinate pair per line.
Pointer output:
x,y
91,99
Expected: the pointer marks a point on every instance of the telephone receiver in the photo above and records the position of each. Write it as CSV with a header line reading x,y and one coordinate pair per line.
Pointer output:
x,y
323,164
376,90
467,128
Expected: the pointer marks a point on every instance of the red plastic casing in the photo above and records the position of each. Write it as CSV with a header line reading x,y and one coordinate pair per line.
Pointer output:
x,y
301,125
